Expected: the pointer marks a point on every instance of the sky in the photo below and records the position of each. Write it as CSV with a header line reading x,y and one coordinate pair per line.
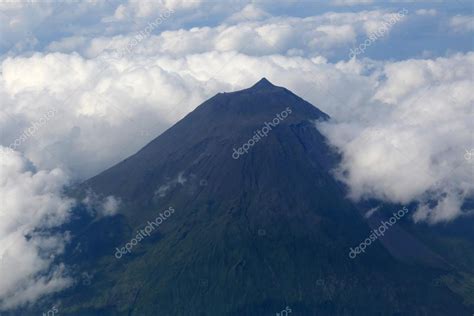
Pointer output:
x,y
85,84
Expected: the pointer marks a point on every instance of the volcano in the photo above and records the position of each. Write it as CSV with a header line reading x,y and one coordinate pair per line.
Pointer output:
x,y
259,226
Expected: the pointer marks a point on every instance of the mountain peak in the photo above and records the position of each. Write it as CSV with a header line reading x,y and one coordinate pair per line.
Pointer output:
x,y
263,84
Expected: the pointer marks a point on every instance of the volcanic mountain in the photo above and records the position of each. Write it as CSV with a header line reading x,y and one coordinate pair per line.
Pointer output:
x,y
260,232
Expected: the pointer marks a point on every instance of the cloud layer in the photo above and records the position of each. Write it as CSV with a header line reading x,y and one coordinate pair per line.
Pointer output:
x,y
407,142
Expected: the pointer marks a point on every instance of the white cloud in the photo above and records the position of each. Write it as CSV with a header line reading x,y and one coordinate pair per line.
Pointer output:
x,y
462,23
406,143
143,9
250,12
351,2
163,189
92,102
98,206
262,35
110,206
32,203
428,12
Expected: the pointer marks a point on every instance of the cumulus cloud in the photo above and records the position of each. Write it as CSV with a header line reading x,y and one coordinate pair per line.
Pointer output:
x,y
406,143
29,26
92,107
32,203
325,34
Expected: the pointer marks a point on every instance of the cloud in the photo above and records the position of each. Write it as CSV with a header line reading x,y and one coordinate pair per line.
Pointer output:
x,y
93,99
165,188
351,2
253,33
249,12
32,203
110,206
138,9
98,206
462,23
406,143
428,12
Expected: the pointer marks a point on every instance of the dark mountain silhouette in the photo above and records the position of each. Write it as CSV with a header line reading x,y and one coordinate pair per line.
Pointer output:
x,y
251,233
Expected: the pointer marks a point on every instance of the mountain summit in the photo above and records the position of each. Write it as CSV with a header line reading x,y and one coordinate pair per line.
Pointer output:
x,y
263,84
259,224
206,137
